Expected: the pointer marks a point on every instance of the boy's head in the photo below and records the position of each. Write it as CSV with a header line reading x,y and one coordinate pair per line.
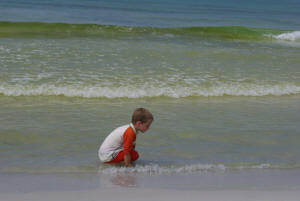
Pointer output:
x,y
141,119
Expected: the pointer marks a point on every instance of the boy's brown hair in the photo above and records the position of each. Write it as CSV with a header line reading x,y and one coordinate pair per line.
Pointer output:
x,y
141,114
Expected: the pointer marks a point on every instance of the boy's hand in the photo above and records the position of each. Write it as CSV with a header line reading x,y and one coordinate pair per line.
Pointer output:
x,y
130,165
127,160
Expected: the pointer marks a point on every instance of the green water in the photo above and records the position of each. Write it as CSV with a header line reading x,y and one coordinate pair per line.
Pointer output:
x,y
38,29
226,97
63,134
177,68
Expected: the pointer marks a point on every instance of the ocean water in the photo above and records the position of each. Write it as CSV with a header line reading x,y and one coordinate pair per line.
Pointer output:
x,y
157,13
222,80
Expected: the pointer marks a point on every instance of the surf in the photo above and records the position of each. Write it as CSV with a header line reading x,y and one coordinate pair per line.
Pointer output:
x,y
151,91
65,30
156,169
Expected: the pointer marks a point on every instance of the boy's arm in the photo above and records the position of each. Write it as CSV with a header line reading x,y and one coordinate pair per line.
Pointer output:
x,y
127,160
129,138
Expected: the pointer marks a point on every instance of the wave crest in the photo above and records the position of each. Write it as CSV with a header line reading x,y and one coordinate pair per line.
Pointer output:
x,y
291,36
32,29
150,91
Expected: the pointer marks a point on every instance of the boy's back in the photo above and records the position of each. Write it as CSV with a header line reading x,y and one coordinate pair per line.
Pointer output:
x,y
114,142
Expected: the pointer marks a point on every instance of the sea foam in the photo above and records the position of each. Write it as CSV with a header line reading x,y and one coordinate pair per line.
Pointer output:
x,y
290,36
149,91
185,169
157,169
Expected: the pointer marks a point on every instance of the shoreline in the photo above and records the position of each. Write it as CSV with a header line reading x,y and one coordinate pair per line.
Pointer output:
x,y
239,180
148,194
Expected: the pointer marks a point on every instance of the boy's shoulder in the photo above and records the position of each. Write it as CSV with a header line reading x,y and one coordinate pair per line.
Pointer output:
x,y
121,128
128,128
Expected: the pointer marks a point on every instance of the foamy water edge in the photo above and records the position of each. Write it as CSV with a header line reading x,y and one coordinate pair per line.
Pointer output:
x,y
187,169
150,91
153,169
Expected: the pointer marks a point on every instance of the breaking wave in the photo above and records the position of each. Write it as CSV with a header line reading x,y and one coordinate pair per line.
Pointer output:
x,y
149,91
33,29
290,36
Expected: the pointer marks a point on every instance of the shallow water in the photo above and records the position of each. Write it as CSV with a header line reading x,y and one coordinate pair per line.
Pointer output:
x,y
57,134
148,66
224,98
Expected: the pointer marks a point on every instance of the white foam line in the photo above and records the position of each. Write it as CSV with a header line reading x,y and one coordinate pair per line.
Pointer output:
x,y
194,168
156,169
291,36
148,91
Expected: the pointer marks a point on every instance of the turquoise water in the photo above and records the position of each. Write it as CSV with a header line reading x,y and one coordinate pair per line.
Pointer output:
x,y
224,93
157,13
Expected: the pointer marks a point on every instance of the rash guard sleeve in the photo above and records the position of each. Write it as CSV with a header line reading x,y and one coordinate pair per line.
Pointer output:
x,y
129,139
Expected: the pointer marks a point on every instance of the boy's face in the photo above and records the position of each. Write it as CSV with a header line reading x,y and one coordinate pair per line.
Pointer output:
x,y
143,127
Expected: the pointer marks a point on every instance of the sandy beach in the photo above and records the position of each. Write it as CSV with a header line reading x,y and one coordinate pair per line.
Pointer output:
x,y
113,194
210,186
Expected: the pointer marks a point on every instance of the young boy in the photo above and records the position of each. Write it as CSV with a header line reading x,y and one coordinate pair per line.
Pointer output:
x,y
118,146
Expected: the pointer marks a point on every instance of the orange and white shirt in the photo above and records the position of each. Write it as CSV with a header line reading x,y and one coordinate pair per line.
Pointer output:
x,y
120,139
